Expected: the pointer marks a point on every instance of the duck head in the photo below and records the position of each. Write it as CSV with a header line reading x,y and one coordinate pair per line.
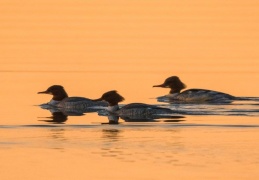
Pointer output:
x,y
174,83
112,97
57,91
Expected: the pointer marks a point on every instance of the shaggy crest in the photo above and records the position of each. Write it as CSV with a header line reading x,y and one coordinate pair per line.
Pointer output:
x,y
112,97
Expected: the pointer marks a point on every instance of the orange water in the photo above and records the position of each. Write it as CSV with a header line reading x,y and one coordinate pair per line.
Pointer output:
x,y
91,47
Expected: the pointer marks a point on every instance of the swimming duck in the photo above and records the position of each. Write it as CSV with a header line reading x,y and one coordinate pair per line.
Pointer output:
x,y
191,95
60,99
133,110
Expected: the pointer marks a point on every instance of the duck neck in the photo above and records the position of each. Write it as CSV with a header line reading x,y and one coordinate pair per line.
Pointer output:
x,y
53,102
173,91
113,108
59,96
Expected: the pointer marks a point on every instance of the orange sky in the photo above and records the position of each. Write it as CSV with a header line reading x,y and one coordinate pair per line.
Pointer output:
x,y
116,31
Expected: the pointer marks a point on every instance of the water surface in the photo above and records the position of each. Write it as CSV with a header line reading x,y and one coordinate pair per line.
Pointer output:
x,y
35,143
91,47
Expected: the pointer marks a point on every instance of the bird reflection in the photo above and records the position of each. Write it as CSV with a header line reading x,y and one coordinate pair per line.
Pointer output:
x,y
111,144
59,115
56,118
111,134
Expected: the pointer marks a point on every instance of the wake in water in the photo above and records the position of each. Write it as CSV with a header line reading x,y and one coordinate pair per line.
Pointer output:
x,y
256,99
245,107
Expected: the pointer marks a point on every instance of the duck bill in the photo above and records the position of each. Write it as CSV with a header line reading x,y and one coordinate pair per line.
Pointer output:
x,y
160,85
43,92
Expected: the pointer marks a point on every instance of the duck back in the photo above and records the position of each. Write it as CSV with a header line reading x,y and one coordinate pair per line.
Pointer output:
x,y
203,95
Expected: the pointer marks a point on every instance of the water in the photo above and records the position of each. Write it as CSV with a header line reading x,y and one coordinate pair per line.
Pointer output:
x,y
132,150
91,47
211,140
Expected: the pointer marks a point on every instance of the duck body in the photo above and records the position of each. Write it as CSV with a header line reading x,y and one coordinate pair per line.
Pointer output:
x,y
60,99
138,111
79,103
142,109
191,95
199,95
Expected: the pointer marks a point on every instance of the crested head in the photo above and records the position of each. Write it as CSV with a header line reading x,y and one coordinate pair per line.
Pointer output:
x,y
112,97
57,91
174,83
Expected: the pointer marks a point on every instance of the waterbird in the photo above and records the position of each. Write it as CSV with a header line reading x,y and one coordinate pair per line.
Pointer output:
x,y
192,95
60,99
131,111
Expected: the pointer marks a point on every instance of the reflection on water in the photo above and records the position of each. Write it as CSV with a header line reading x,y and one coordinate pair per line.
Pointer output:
x,y
117,144
112,134
58,139
111,143
238,108
60,116
56,118
94,46
248,108
168,146
201,139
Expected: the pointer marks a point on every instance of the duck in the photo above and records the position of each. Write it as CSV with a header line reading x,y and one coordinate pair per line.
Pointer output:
x,y
191,95
139,111
61,99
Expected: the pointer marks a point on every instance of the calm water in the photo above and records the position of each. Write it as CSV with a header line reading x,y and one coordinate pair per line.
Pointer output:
x,y
210,141
91,47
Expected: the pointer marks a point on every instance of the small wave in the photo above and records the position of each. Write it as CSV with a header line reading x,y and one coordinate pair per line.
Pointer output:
x,y
162,124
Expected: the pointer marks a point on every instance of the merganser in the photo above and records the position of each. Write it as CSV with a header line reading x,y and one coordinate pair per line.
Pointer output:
x,y
60,99
133,110
191,95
